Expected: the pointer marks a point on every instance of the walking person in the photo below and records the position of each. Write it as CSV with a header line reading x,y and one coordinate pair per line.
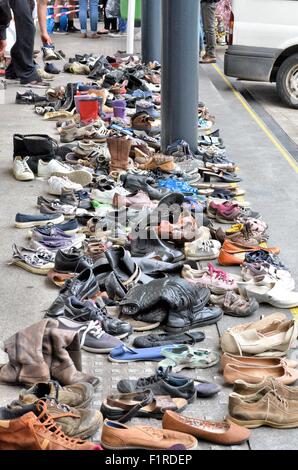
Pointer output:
x,y
93,13
208,11
22,65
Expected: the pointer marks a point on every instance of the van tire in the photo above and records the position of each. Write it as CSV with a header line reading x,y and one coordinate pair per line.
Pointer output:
x,y
288,68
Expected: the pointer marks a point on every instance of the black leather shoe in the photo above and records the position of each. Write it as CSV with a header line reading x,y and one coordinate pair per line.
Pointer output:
x,y
124,267
154,340
87,311
83,286
71,262
154,267
147,242
188,319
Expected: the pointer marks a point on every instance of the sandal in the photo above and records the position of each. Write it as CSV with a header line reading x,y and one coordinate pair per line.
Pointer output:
x,y
224,176
184,357
126,406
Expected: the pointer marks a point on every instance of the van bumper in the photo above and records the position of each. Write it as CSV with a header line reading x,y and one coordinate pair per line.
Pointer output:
x,y
250,63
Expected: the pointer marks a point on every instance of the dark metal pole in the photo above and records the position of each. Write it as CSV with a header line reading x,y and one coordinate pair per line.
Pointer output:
x,y
151,30
180,57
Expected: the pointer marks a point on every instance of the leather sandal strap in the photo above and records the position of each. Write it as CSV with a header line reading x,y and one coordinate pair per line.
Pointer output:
x,y
136,408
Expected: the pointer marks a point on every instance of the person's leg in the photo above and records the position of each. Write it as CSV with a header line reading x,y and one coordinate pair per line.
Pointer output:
x,y
22,51
208,16
70,26
93,15
114,24
83,15
57,11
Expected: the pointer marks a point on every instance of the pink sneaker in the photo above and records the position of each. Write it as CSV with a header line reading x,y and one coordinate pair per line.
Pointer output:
x,y
217,280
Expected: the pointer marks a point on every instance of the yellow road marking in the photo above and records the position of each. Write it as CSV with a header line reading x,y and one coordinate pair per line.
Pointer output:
x,y
286,155
259,121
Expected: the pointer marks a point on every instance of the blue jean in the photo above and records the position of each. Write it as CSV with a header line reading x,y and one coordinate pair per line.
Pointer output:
x,y
93,12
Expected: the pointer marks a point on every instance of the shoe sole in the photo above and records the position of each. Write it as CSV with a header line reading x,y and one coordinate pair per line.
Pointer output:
x,y
97,351
198,258
172,329
256,423
195,366
149,327
67,232
40,223
82,177
107,447
31,269
29,85
24,178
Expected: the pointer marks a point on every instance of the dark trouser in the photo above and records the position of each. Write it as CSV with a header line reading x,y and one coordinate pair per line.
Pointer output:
x,y
109,23
208,16
22,65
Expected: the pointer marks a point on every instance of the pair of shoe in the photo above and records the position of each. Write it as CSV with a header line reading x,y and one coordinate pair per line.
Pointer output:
x,y
273,335
256,369
268,403
218,281
33,428
68,406
232,253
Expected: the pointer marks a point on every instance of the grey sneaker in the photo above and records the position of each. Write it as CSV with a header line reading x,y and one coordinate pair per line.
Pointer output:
x,y
93,338
161,383
38,261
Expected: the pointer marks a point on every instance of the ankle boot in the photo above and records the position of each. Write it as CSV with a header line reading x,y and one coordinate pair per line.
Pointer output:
x,y
119,148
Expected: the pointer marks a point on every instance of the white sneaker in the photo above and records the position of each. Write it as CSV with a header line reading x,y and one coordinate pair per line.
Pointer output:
x,y
202,250
107,196
56,184
21,170
56,168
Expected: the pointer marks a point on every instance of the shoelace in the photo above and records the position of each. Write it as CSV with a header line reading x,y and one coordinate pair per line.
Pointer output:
x,y
47,423
160,374
219,274
94,328
23,164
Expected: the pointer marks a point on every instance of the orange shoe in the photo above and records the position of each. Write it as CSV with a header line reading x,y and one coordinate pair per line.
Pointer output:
x,y
233,254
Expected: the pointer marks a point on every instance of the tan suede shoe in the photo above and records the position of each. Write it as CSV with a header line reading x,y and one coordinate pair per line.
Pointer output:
x,y
227,358
269,410
117,436
243,388
222,433
271,336
253,375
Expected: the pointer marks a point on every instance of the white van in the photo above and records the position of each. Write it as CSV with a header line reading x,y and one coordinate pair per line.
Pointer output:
x,y
263,44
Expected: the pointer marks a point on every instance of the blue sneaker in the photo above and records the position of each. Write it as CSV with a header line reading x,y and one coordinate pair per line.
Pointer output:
x,y
40,220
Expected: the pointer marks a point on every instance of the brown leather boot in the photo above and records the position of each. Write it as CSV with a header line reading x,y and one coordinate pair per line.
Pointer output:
x,y
66,362
26,361
31,428
119,148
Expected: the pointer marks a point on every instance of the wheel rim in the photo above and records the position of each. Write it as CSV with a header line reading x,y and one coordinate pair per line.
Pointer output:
x,y
292,83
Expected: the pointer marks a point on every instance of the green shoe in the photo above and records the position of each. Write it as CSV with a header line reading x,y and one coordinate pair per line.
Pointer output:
x,y
184,357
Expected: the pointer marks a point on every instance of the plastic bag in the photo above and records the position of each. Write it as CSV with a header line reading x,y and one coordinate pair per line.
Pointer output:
x,y
113,9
